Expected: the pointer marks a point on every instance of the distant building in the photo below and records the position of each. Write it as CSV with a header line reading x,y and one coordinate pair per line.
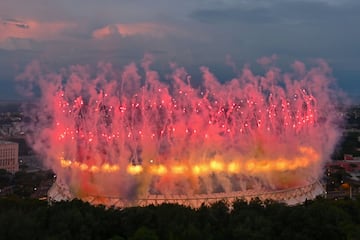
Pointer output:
x,y
347,164
9,152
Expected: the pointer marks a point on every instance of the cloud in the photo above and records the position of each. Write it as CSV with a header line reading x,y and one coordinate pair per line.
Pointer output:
x,y
18,34
132,29
236,15
305,29
277,12
190,33
15,22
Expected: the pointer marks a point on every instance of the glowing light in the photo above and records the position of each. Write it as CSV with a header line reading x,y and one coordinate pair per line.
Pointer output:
x,y
134,169
233,167
158,170
250,166
83,167
179,169
281,165
200,169
216,166
94,169
65,163
255,166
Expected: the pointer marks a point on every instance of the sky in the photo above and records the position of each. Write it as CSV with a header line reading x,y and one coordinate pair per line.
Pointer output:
x,y
191,33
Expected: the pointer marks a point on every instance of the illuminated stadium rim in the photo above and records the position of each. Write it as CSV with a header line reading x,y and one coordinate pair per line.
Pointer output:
x,y
290,196
252,165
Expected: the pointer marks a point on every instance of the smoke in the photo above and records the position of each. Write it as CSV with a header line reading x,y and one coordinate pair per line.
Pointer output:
x,y
107,131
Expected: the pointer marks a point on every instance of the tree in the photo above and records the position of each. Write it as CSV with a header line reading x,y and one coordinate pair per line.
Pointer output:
x,y
144,233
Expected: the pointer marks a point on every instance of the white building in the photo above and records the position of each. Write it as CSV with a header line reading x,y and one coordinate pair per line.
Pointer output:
x,y
9,152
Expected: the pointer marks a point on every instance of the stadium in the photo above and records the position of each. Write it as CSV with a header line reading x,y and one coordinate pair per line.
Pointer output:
x,y
125,139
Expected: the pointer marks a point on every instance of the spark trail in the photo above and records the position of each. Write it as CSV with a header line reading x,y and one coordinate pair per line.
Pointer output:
x,y
110,132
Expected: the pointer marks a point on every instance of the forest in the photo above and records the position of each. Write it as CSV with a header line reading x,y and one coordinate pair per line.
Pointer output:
x,y
316,219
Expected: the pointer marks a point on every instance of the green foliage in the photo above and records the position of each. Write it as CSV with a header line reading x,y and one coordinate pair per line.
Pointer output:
x,y
317,219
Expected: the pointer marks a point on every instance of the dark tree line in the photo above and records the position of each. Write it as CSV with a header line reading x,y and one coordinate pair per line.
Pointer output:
x,y
319,219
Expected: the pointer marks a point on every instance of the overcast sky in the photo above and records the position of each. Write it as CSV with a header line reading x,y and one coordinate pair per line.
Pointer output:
x,y
192,33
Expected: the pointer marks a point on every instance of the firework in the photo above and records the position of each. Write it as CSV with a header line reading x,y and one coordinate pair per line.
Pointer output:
x,y
126,134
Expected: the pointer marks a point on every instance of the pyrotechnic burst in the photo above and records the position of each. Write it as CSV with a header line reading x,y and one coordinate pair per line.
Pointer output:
x,y
126,134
